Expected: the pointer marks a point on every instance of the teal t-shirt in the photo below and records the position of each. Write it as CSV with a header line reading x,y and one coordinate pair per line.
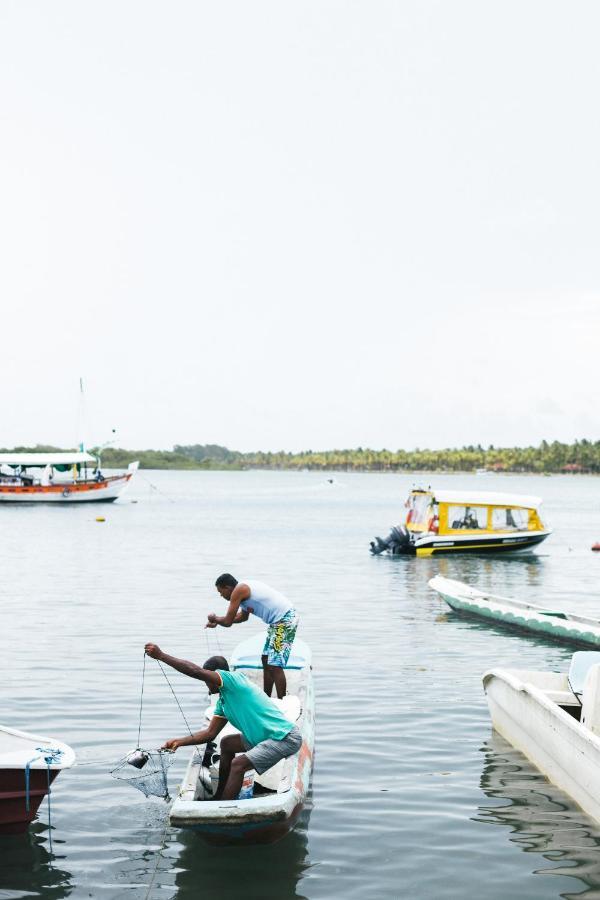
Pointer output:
x,y
250,710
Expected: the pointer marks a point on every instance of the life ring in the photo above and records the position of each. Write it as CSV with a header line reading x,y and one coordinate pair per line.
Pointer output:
x,y
66,492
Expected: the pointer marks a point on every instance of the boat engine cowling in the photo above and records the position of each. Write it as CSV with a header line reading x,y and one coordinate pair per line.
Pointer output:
x,y
397,541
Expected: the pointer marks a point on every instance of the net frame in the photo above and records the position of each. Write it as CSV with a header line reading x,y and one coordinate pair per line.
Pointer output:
x,y
152,778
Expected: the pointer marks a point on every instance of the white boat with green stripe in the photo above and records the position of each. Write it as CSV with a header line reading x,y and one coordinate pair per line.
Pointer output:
x,y
551,622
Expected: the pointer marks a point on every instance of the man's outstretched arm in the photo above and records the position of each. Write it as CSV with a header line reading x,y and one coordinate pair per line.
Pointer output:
x,y
184,666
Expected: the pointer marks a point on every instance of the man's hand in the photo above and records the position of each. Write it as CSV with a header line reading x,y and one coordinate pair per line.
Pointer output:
x,y
212,621
171,744
153,650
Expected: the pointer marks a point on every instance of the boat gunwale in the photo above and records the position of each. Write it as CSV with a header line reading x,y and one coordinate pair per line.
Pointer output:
x,y
474,596
69,753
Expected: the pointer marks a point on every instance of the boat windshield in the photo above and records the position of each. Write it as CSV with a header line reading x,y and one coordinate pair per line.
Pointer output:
x,y
419,508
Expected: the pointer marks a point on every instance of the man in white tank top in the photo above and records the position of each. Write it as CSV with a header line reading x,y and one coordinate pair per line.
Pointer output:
x,y
252,596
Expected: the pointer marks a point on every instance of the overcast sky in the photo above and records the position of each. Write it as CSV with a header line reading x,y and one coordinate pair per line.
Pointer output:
x,y
300,225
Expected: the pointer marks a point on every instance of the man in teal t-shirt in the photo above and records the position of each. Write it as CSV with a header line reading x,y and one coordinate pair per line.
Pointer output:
x,y
265,737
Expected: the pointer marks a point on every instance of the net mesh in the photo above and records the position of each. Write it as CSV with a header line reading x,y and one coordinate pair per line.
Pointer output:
x,y
151,777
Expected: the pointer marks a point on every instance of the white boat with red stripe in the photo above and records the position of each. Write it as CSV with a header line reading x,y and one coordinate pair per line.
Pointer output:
x,y
73,477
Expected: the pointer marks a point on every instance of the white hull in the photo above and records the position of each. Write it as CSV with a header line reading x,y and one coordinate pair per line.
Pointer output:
x,y
530,718
550,622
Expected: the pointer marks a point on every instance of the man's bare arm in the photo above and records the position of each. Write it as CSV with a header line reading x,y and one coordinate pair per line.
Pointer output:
x,y
217,723
233,615
184,666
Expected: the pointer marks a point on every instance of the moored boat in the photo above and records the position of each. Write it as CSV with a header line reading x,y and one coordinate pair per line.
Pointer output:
x,y
29,763
58,478
465,521
554,623
554,720
279,794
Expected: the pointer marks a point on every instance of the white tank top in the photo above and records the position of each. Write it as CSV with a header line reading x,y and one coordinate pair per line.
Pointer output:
x,y
267,603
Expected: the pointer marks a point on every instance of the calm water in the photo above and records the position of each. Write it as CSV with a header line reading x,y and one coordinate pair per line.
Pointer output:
x,y
413,794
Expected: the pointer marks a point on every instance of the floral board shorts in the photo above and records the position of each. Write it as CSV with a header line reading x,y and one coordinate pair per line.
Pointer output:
x,y
280,637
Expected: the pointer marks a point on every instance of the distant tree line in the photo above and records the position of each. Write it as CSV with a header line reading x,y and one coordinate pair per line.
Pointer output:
x,y
581,456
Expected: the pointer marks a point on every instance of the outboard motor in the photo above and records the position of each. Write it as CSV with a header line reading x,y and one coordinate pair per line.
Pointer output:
x,y
397,542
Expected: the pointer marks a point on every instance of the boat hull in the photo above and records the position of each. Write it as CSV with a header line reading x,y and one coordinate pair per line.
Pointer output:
x,y
105,491
29,763
566,752
514,543
15,817
553,624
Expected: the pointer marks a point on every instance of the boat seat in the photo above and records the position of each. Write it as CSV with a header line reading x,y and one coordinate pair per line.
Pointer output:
x,y
562,698
581,663
590,700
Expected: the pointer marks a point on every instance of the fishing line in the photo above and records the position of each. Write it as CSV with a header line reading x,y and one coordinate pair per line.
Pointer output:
x,y
176,700
141,700
158,858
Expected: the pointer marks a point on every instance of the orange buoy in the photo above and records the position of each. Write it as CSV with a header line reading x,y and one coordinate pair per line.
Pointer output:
x,y
102,519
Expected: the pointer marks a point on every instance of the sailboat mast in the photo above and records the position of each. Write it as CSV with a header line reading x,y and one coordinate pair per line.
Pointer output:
x,y
81,423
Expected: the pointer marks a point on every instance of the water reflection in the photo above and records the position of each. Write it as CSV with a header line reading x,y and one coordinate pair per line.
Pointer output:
x,y
28,868
542,818
272,872
499,574
489,571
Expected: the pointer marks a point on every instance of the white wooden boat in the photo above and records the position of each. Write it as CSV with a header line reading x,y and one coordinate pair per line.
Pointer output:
x,y
58,478
553,623
466,522
29,763
280,793
554,720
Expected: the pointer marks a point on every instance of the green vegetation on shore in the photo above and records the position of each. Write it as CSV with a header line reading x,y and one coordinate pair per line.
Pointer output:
x,y
582,456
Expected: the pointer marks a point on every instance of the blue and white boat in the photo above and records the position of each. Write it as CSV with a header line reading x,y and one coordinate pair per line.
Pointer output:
x,y
279,793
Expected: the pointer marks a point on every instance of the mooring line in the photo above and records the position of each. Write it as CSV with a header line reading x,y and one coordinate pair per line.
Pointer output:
x,y
154,488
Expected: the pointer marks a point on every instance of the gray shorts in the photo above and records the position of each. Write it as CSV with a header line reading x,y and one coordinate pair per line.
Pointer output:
x,y
264,755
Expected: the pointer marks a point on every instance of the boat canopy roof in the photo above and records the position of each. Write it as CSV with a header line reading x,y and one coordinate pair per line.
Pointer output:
x,y
45,459
489,498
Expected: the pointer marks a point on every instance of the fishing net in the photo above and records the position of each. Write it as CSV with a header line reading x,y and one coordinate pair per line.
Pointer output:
x,y
146,770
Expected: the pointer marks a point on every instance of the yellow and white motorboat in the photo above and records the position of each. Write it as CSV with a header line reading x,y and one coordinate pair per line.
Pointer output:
x,y
469,521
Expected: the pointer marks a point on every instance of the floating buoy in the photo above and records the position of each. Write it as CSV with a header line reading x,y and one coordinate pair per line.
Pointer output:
x,y
596,546
100,519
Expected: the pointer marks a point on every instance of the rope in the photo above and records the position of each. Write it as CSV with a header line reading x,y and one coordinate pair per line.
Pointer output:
x,y
141,700
154,488
49,807
176,700
158,857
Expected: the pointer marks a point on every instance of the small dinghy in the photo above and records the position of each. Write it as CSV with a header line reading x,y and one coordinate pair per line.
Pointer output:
x,y
554,720
277,797
553,623
29,763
